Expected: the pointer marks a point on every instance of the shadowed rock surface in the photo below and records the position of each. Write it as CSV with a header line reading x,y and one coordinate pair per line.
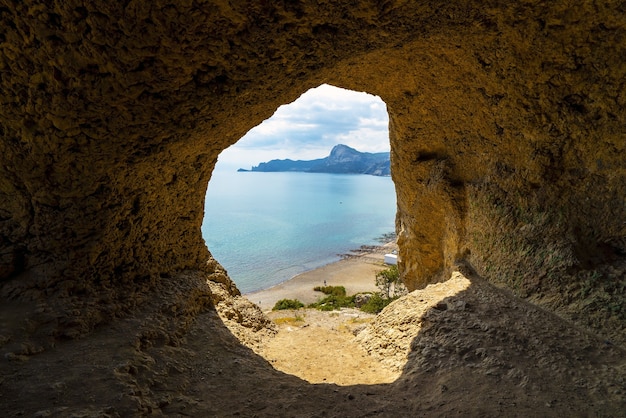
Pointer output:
x,y
507,131
478,352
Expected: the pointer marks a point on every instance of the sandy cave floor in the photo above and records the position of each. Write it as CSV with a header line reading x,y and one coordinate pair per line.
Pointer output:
x,y
319,347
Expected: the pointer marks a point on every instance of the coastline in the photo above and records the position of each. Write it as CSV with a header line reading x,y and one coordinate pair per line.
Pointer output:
x,y
355,271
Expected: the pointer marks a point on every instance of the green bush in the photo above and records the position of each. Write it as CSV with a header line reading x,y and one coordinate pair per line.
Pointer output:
x,y
376,303
389,283
331,290
334,302
287,304
387,280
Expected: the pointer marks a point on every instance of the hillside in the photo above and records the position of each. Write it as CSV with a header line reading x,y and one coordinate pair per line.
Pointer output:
x,y
342,160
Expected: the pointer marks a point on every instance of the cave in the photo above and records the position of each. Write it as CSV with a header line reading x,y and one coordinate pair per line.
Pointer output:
x,y
507,132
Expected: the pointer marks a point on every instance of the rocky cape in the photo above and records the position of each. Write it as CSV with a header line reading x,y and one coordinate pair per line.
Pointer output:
x,y
342,160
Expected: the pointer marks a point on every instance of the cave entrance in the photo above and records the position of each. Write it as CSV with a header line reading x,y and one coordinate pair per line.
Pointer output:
x,y
286,201
266,227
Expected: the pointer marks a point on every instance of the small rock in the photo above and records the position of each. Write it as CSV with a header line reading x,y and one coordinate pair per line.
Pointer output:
x,y
361,299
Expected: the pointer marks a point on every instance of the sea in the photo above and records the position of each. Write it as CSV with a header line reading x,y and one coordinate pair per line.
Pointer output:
x,y
265,228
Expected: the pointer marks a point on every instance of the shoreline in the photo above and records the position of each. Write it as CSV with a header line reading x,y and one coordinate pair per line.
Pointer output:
x,y
356,271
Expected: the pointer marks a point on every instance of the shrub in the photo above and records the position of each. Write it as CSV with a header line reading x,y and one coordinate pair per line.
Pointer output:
x,y
376,303
334,302
287,304
389,283
331,290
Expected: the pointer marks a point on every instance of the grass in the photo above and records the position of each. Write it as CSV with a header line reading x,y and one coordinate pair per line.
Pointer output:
x,y
290,320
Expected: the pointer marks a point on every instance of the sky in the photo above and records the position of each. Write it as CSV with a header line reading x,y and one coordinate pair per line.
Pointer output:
x,y
309,127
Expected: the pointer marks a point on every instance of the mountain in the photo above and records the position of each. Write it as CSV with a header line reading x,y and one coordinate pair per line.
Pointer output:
x,y
342,160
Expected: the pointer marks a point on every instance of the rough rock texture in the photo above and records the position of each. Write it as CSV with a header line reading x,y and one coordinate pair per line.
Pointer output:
x,y
486,354
244,319
112,115
391,334
466,330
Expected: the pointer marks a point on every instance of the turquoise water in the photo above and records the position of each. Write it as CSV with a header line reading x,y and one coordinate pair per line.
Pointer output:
x,y
265,228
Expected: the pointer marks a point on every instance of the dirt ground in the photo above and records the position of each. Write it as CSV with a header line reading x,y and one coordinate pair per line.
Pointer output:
x,y
319,347
476,352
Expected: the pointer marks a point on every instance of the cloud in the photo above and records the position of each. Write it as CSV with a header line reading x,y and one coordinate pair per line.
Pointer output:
x,y
310,126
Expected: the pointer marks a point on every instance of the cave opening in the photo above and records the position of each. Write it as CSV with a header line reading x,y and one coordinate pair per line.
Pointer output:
x,y
307,207
305,201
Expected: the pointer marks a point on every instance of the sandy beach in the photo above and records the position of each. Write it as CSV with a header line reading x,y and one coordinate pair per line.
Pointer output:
x,y
357,273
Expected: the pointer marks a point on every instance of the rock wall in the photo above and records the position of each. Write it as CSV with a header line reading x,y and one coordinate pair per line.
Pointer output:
x,y
113,115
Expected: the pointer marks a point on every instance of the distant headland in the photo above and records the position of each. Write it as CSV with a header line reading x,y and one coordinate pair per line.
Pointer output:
x,y
342,160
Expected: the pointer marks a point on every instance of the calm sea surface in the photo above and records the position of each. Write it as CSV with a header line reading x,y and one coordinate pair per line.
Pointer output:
x,y
265,228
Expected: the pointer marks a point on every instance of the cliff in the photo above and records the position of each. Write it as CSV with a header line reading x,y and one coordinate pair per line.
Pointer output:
x,y
342,160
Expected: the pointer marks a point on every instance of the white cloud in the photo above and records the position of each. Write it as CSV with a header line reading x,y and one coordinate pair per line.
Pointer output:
x,y
364,139
310,126
373,122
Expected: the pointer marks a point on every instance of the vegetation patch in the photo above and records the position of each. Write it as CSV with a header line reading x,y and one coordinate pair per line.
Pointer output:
x,y
390,288
387,280
336,298
287,304
333,302
331,290
376,303
289,320
389,283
